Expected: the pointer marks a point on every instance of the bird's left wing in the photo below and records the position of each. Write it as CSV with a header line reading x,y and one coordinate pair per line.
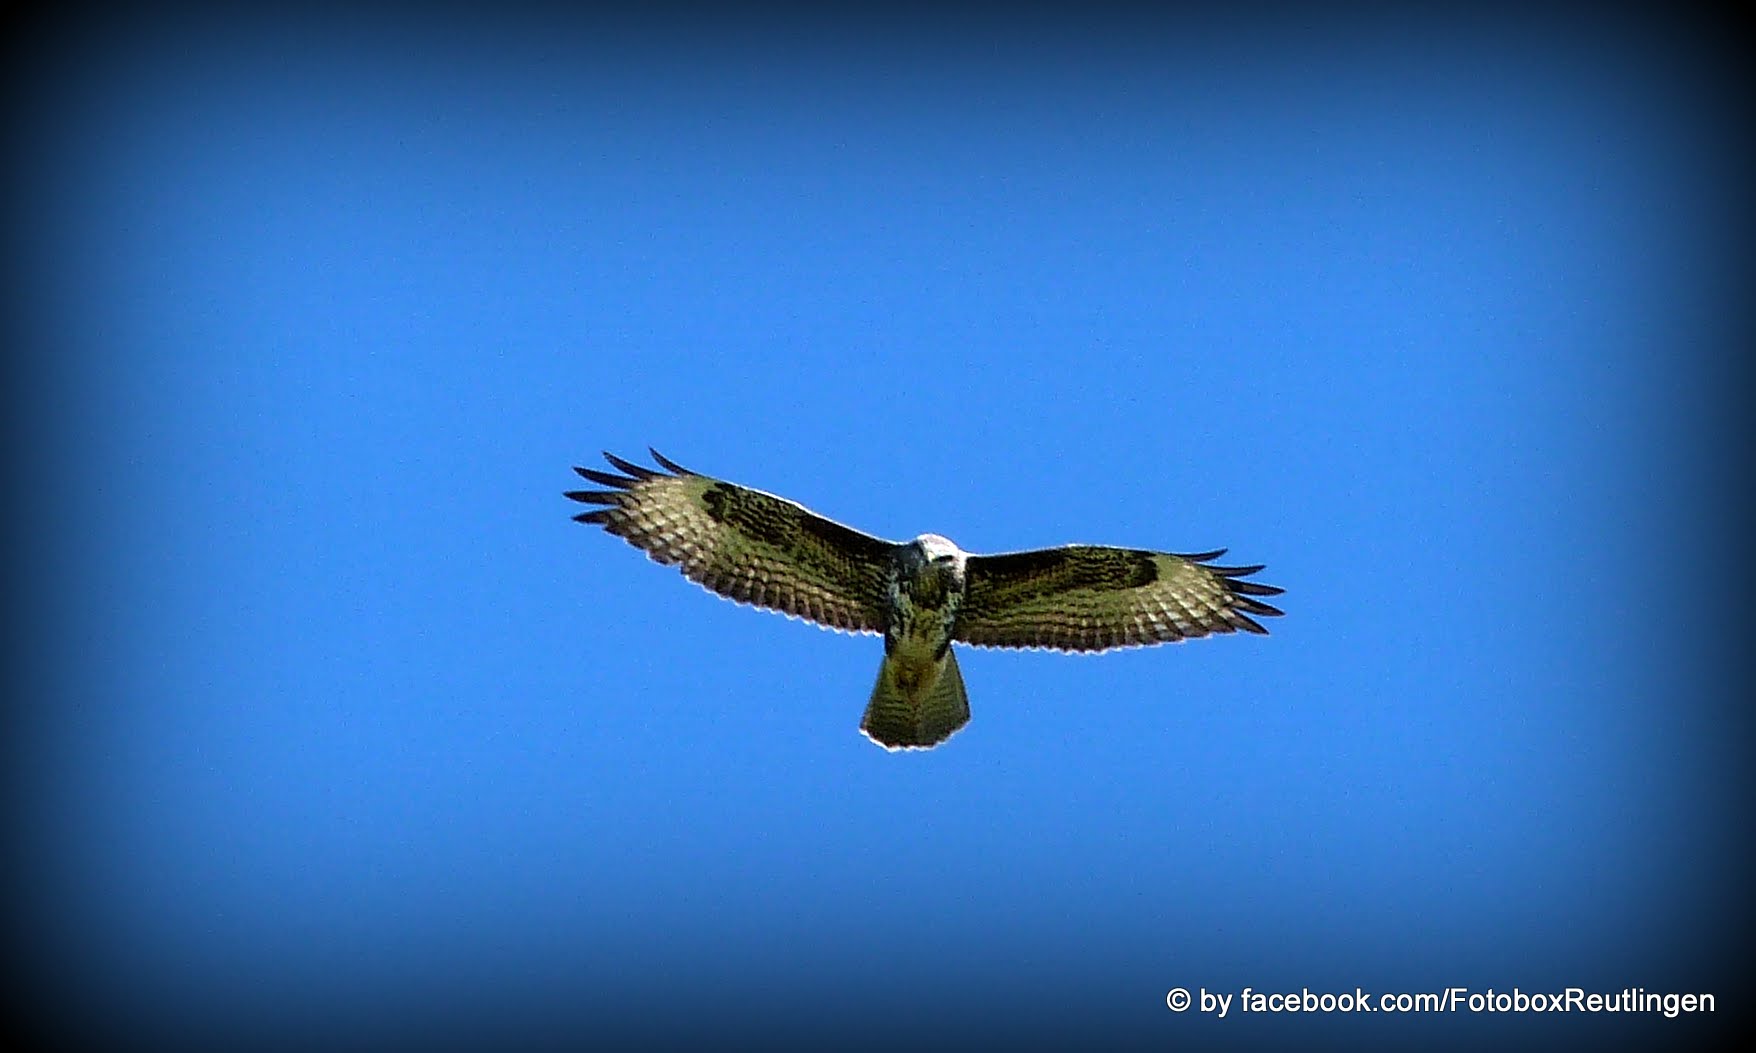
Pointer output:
x,y
743,544
1093,598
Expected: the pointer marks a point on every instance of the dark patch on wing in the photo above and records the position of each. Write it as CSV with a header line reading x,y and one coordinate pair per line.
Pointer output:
x,y
834,534
749,514
1043,572
785,525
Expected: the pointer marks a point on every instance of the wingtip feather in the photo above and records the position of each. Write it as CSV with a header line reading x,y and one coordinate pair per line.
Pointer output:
x,y
1203,557
605,478
1255,588
637,471
1244,603
668,464
594,497
1248,624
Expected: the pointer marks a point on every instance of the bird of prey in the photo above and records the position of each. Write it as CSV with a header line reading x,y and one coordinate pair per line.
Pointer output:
x,y
922,595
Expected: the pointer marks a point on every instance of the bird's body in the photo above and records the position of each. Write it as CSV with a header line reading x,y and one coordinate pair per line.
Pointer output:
x,y
921,595
924,589
919,699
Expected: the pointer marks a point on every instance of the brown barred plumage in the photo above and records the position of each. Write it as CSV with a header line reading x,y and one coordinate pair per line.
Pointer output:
x,y
770,552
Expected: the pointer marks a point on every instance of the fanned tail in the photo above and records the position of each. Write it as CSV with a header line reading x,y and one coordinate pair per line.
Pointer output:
x,y
896,721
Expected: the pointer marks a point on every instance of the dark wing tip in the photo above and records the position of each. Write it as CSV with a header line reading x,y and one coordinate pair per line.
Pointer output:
x,y
1242,590
1243,595
638,473
601,515
594,497
1245,603
1200,557
605,478
633,475
1254,588
1248,624
667,464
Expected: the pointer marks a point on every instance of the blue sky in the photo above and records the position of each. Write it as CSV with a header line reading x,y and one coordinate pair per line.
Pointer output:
x,y
340,731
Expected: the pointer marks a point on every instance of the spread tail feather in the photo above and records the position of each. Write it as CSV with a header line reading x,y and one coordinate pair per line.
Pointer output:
x,y
896,721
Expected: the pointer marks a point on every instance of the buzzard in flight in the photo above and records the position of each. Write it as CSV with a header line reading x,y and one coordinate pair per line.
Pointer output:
x,y
921,595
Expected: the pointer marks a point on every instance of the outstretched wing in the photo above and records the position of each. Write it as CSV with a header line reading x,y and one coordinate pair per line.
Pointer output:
x,y
1093,598
744,544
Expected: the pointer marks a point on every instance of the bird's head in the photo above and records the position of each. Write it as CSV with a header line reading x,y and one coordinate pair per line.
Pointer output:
x,y
934,550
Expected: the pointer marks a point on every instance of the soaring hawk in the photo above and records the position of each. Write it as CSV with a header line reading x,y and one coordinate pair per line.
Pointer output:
x,y
921,595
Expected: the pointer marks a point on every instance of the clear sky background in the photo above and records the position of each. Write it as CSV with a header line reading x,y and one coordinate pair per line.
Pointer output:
x,y
334,729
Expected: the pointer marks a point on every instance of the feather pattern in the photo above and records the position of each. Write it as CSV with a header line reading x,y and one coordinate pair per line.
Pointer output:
x,y
1094,598
744,544
923,595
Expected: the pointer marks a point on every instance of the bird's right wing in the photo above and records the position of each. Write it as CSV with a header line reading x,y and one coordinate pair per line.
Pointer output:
x,y
1093,598
743,544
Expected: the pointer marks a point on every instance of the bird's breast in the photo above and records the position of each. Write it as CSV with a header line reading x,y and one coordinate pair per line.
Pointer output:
x,y
923,608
